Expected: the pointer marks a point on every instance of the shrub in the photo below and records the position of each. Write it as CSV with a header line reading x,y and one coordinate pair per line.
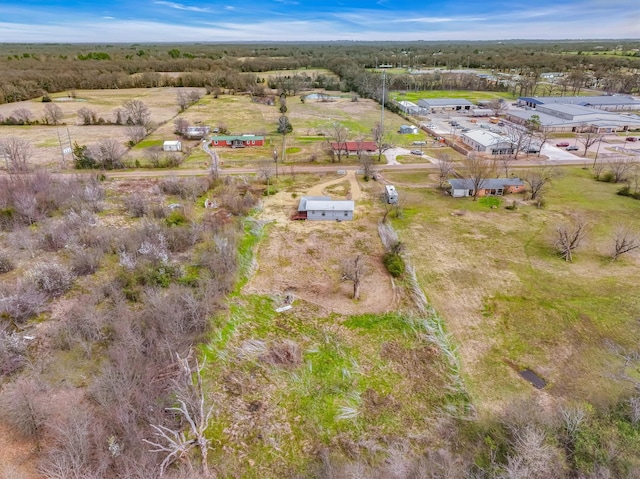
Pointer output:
x,y
85,261
6,263
394,264
136,205
12,352
52,279
176,218
626,191
512,206
21,302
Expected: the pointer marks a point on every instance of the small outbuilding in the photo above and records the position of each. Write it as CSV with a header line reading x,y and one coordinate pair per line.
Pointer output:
x,y
391,194
408,130
172,145
323,208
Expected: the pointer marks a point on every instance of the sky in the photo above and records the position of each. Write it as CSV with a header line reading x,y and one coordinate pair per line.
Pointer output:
x,y
85,21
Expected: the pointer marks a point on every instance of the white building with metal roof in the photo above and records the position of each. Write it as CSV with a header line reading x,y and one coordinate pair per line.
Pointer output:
x,y
323,208
602,102
487,142
571,118
442,104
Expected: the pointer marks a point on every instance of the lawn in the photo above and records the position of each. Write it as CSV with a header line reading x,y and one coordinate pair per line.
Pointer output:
x,y
509,299
470,95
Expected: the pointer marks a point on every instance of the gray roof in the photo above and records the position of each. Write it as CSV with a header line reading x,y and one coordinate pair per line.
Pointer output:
x,y
488,183
574,110
303,201
330,205
431,102
547,119
583,100
486,138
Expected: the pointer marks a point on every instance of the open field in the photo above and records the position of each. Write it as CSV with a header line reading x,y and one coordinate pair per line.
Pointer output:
x,y
473,96
44,138
509,299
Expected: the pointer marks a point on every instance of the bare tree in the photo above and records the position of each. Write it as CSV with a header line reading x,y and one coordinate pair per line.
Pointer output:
x,y
619,168
183,99
176,444
88,116
52,113
445,168
537,178
337,134
136,134
354,270
519,137
624,242
568,237
17,153
505,163
181,125
24,406
366,163
497,106
383,141
588,136
266,171
23,115
477,169
136,112
107,153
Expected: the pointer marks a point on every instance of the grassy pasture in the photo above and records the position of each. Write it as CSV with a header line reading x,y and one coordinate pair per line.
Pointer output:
x,y
473,96
508,298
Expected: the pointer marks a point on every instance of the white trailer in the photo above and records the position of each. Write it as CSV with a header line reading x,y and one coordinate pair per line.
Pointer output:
x,y
391,194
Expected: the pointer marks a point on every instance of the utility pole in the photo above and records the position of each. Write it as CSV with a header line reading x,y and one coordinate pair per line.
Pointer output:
x,y
384,82
275,160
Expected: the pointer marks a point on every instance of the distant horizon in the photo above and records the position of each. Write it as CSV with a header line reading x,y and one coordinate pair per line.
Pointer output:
x,y
239,42
291,21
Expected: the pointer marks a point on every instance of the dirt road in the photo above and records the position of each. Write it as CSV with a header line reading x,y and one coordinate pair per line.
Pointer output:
x,y
356,192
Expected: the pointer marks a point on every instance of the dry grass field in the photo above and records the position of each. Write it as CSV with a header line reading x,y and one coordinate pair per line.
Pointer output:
x,y
44,138
306,144
510,300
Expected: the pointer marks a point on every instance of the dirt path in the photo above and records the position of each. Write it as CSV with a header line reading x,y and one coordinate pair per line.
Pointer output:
x,y
356,192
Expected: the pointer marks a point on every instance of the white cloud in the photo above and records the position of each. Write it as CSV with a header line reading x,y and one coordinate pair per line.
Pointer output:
x,y
179,6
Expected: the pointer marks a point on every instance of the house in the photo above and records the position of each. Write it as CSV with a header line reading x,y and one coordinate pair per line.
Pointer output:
x,y
323,208
172,145
197,132
408,130
442,104
487,187
348,147
237,141
391,194
487,142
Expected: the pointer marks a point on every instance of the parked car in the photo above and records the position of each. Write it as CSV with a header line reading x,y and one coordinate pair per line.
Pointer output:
x,y
562,144
632,138
419,143
416,152
501,123
572,148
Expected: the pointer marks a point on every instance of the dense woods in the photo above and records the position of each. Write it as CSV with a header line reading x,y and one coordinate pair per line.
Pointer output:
x,y
31,71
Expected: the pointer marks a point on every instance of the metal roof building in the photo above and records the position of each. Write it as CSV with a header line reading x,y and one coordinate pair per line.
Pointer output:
x,y
323,208
603,102
446,103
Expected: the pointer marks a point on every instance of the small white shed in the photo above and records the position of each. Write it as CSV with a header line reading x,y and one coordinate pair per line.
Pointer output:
x,y
323,208
391,194
172,145
408,130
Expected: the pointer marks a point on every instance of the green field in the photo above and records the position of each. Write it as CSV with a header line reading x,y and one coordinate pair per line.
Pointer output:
x,y
509,299
472,96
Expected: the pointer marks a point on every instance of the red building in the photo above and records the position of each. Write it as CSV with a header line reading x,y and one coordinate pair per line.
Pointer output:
x,y
237,141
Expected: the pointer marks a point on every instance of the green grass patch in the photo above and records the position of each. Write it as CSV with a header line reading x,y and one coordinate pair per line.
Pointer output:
x,y
470,95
